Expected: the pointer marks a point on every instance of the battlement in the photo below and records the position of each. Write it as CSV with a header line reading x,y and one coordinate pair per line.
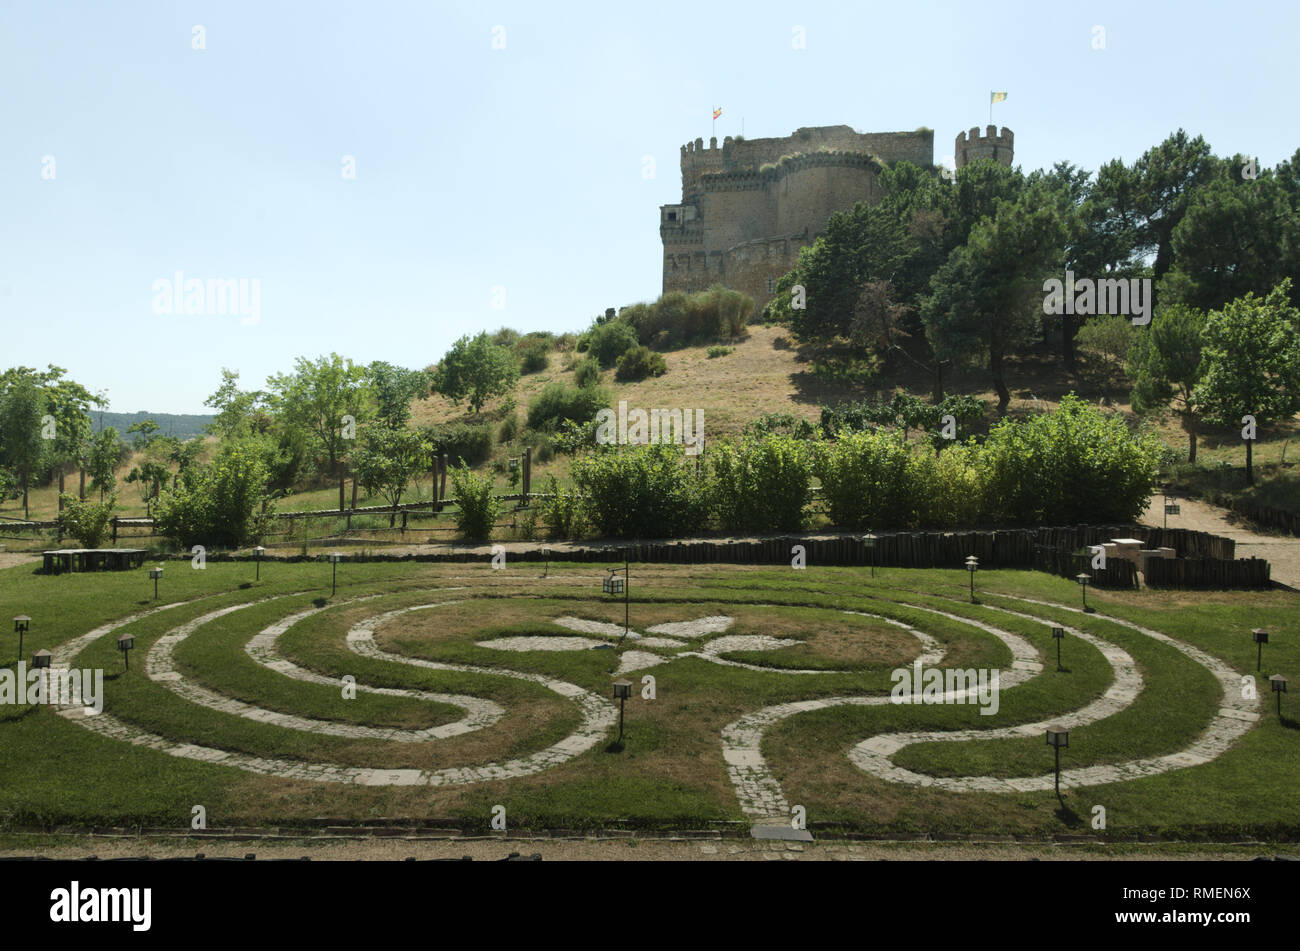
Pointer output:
x,y
739,156
971,147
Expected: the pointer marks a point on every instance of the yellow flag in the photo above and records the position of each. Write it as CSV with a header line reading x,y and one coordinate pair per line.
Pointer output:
x,y
997,97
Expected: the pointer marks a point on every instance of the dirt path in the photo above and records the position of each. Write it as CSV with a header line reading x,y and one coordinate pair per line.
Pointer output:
x,y
1281,551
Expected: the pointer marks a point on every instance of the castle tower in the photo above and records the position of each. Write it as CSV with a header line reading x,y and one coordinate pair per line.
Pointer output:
x,y
990,145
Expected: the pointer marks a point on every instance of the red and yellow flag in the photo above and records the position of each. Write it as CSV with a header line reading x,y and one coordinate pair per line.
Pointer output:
x,y
716,113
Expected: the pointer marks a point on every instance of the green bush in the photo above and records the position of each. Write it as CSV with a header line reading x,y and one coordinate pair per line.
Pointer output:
x,y
562,510
869,480
719,351
509,429
558,402
762,484
609,341
220,505
781,424
461,441
477,507
649,491
87,521
677,319
1068,467
586,372
533,353
638,363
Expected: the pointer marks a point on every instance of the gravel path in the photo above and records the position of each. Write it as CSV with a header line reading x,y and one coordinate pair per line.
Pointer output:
x,y
1281,551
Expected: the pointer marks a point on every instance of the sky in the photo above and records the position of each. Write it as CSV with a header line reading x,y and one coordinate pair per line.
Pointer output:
x,y
498,152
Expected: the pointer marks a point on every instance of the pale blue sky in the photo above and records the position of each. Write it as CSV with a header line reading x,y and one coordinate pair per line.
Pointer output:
x,y
519,167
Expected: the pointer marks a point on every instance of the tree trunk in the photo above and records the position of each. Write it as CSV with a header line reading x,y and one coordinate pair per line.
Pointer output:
x,y
995,366
60,488
354,490
1250,473
1189,427
25,515
938,381
1067,341
83,483
342,498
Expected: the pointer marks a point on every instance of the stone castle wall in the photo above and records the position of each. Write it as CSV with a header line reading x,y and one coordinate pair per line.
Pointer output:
x,y
749,206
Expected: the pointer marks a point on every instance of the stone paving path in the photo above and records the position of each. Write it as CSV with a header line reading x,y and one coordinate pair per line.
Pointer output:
x,y
762,799
599,715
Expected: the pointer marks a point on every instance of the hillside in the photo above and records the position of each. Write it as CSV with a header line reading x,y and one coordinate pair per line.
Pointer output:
x,y
180,425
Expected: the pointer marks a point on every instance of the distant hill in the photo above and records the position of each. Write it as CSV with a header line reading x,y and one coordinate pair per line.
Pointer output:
x,y
181,425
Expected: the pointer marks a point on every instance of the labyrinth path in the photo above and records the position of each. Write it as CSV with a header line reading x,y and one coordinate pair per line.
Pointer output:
x,y
756,787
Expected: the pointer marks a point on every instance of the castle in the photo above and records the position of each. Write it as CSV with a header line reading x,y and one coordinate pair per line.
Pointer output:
x,y
748,207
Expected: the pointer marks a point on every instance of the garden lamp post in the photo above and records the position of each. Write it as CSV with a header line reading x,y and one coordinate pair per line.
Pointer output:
x,y
335,557
258,552
1171,508
972,566
546,561
124,643
1278,683
41,661
1261,638
616,585
622,690
1058,635
155,574
1058,737
870,542
22,623
1083,578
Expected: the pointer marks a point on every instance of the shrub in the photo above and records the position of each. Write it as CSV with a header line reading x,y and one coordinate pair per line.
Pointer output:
x,y
586,372
638,363
677,319
1068,467
571,437
951,487
222,504
869,481
562,510
87,521
642,491
532,351
565,342
558,402
762,484
608,341
509,429
782,424
719,351
461,441
477,507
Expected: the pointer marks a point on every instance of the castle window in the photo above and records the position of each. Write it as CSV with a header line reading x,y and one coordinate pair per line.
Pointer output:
x,y
672,216
771,285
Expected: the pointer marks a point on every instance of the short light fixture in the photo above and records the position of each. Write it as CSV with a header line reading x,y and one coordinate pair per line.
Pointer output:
x,y
1058,635
622,690
41,661
1084,578
125,642
1171,508
616,585
1058,737
972,566
1261,638
870,542
335,557
155,574
546,561
258,552
22,623
1278,683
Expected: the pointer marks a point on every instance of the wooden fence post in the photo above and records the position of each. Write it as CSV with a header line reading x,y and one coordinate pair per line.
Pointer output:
x,y
528,472
442,494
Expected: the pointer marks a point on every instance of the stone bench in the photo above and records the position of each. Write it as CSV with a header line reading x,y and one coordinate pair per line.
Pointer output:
x,y
93,559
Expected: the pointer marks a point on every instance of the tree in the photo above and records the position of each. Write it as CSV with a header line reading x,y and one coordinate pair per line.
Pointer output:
x,y
149,477
145,432
475,369
21,408
1164,364
1165,179
222,504
105,454
316,397
237,410
394,387
987,298
1252,362
389,458
1237,236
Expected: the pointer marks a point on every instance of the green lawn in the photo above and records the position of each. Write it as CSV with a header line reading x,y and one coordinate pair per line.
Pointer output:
x,y
670,771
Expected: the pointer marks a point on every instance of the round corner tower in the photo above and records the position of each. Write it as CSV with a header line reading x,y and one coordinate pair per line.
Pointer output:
x,y
971,147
